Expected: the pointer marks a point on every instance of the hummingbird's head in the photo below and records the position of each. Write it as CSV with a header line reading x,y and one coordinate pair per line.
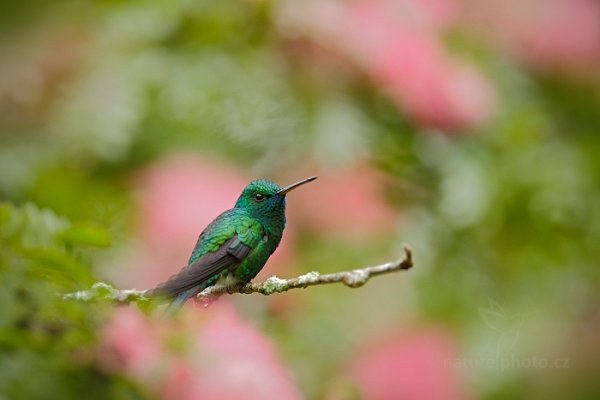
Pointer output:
x,y
265,199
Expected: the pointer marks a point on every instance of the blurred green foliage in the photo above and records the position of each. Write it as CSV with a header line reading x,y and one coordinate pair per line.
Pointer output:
x,y
46,343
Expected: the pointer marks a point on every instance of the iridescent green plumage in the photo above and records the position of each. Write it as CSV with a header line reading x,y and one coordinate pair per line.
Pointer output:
x,y
236,245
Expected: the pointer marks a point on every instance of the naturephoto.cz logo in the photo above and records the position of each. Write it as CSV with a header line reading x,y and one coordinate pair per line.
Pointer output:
x,y
507,327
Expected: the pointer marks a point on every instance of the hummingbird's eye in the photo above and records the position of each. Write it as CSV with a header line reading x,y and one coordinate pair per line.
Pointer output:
x,y
259,197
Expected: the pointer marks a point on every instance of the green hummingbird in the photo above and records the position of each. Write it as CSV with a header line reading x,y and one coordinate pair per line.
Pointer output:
x,y
234,247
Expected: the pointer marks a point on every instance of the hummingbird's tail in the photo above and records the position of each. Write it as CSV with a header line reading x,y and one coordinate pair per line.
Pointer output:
x,y
178,302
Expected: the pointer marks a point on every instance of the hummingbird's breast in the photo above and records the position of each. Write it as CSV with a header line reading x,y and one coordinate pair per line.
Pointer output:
x,y
257,258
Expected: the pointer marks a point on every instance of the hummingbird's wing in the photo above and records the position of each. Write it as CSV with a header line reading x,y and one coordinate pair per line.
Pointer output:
x,y
226,252
232,252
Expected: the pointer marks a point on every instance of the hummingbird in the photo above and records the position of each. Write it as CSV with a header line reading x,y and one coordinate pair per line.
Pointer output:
x,y
235,246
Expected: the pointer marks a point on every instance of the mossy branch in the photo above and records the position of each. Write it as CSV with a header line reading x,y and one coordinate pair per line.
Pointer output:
x,y
353,278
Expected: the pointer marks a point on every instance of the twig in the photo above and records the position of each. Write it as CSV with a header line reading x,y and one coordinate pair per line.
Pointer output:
x,y
104,291
354,278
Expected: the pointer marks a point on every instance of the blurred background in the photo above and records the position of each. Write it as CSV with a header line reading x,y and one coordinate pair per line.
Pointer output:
x,y
468,129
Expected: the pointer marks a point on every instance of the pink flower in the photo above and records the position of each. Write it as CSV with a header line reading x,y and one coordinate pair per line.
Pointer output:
x,y
219,356
130,343
399,45
546,34
410,366
178,196
240,362
347,203
181,382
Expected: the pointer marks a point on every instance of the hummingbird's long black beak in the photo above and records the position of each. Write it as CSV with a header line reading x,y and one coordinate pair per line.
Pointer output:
x,y
293,186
